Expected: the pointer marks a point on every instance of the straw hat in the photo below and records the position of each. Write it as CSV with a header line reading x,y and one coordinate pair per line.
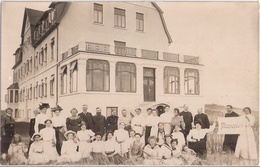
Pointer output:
x,y
36,134
69,132
56,108
44,105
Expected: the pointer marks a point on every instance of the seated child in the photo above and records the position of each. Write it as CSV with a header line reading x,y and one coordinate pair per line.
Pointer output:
x,y
176,134
16,151
189,156
175,158
69,151
97,152
136,147
36,156
152,152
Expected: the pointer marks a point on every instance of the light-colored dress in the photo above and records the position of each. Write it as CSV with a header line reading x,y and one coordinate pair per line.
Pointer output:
x,y
84,144
16,153
171,156
246,145
154,122
180,137
166,119
36,156
49,138
39,119
137,124
69,152
152,155
121,136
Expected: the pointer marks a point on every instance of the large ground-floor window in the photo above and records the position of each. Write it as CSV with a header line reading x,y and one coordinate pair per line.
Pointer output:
x,y
125,77
191,82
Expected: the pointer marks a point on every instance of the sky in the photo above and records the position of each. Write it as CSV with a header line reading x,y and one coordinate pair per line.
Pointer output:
x,y
223,34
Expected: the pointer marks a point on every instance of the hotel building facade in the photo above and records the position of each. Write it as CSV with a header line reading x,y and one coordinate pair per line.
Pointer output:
x,y
112,55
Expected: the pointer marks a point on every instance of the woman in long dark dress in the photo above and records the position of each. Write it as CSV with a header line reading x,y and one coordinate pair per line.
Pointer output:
x,y
74,122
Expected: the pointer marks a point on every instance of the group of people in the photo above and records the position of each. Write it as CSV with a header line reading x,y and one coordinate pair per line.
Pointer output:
x,y
172,138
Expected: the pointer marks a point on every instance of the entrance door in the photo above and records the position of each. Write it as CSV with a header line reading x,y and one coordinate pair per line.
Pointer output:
x,y
149,84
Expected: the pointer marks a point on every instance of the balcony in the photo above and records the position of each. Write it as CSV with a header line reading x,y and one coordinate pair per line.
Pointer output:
x,y
171,57
191,59
125,51
149,54
97,48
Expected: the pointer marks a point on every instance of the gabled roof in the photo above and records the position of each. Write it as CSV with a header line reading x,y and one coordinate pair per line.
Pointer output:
x,y
14,86
163,22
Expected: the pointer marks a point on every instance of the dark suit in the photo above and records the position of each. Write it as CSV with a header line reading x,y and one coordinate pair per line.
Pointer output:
x,y
230,141
112,123
188,119
88,119
7,126
99,123
31,128
203,118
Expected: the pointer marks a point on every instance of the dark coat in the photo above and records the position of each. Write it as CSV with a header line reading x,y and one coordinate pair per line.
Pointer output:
x,y
31,128
112,123
99,123
188,119
88,119
203,118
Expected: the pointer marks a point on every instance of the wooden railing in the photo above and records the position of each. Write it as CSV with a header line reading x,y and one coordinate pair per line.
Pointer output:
x,y
97,47
171,57
125,51
149,54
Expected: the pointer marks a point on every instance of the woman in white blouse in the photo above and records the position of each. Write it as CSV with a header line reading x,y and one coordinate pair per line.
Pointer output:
x,y
49,140
40,118
121,137
97,150
176,134
246,145
196,140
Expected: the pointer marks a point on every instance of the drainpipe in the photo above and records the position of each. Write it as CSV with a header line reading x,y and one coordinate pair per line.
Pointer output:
x,y
57,67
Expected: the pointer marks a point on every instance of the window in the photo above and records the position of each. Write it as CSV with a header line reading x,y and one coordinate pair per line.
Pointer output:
x,y
16,96
73,76
30,66
52,85
45,53
119,16
30,92
21,95
98,13
52,48
63,79
36,60
191,82
171,80
110,109
97,75
41,57
139,21
36,91
11,96
45,88
125,77
120,48
17,113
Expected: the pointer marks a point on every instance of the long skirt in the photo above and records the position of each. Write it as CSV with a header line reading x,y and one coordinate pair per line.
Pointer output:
x,y
59,138
71,157
99,158
6,140
84,148
230,142
123,148
17,159
50,151
37,159
147,133
199,147
246,145
116,159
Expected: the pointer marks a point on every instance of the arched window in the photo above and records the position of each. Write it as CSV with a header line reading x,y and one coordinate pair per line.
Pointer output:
x,y
125,77
191,82
171,80
97,75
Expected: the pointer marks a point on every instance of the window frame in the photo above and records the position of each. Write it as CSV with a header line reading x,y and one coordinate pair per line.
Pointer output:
x,y
98,11
196,81
141,21
166,84
73,71
63,73
117,16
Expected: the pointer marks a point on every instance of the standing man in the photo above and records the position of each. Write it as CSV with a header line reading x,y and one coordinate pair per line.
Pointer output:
x,y
166,119
99,122
203,118
112,121
188,119
86,117
7,129
230,141
126,119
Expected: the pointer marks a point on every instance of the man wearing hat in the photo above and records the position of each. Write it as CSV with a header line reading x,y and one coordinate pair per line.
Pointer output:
x,y
59,124
7,129
86,117
39,120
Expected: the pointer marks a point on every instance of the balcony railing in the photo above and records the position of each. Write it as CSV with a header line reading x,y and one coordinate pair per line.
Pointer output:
x,y
74,49
191,59
97,48
125,51
149,54
171,57
65,55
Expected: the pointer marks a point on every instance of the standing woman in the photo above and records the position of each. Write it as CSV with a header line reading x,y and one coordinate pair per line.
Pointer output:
x,y
40,119
74,122
59,125
154,122
121,137
246,145
166,120
49,141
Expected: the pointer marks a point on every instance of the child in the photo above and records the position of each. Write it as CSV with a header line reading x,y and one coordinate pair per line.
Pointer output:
x,y
16,151
121,136
151,152
97,150
112,149
49,140
136,147
176,134
69,151
36,156
160,134
189,156
175,158
85,138
166,148
131,138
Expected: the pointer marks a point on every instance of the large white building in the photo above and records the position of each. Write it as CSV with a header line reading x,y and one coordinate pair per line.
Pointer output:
x,y
111,55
